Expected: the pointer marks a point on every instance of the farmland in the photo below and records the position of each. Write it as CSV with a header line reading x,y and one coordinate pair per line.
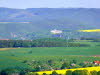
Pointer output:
x,y
58,53
63,72
93,30
49,40
30,59
2,49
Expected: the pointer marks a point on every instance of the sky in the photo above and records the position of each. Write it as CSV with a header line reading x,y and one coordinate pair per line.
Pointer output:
x,y
23,4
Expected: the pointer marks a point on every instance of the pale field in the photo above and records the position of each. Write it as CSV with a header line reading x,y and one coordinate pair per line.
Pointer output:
x,y
3,49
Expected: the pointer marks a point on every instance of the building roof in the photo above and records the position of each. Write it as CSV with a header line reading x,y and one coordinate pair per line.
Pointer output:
x,y
56,31
98,62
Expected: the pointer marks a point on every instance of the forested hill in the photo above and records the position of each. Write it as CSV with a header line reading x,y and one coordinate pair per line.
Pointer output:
x,y
62,15
37,22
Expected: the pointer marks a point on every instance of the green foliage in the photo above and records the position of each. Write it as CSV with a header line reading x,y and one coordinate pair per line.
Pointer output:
x,y
9,71
78,72
85,72
68,72
54,73
44,74
65,65
50,62
36,74
93,72
38,68
98,73
3,72
74,61
48,42
45,67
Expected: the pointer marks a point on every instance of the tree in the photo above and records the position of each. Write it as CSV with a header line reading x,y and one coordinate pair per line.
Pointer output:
x,y
31,74
78,72
85,72
65,65
36,74
38,68
54,73
45,67
68,72
98,73
50,62
93,72
3,72
74,61
44,74
9,71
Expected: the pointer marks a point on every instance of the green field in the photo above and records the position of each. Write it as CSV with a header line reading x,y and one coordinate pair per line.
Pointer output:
x,y
88,42
16,57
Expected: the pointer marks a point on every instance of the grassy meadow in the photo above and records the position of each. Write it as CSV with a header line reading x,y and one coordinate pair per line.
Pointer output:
x,y
49,58
11,57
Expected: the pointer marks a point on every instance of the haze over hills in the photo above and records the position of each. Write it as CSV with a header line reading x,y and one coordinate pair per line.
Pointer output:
x,y
37,22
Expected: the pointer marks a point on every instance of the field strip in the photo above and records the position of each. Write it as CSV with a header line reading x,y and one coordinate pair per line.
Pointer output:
x,y
14,22
92,30
3,49
64,71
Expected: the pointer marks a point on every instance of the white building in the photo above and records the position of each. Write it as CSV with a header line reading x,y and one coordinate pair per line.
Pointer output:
x,y
56,31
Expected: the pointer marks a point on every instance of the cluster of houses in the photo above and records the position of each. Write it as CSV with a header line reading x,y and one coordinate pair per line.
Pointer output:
x,y
96,62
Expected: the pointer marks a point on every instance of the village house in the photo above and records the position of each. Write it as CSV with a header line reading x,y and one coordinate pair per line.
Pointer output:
x,y
96,62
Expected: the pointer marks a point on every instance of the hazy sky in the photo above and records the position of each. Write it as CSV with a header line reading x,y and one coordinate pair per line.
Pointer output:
x,y
50,3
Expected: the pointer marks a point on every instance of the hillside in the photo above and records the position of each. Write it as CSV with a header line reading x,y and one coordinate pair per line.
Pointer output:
x,y
33,23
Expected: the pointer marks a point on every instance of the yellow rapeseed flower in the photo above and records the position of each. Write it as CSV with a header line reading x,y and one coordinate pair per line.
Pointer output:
x,y
92,30
64,71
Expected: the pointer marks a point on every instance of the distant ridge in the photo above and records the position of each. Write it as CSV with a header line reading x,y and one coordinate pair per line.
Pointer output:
x,y
38,22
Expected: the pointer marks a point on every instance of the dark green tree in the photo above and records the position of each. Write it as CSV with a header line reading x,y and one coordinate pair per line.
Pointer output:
x,y
78,72
3,72
36,74
93,72
54,73
98,73
74,61
65,65
85,72
50,62
38,68
44,74
69,72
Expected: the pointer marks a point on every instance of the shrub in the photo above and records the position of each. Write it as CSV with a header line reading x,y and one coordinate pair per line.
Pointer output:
x,y
54,73
69,72
44,74
93,72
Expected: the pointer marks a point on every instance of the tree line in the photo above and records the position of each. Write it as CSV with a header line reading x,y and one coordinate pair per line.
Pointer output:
x,y
47,42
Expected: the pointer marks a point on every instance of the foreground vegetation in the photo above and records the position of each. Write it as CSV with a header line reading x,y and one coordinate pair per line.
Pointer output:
x,y
76,71
41,58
